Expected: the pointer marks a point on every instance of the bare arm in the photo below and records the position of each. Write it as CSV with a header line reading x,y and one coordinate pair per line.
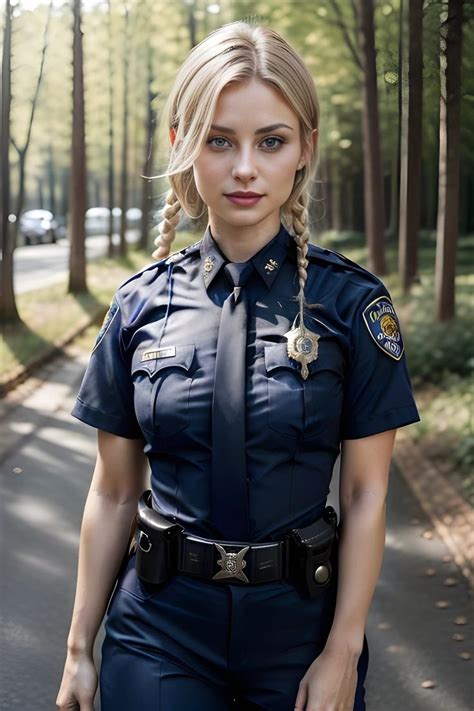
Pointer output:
x,y
120,476
330,681
365,465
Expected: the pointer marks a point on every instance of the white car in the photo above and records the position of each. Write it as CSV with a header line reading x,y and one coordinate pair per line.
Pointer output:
x,y
38,227
97,219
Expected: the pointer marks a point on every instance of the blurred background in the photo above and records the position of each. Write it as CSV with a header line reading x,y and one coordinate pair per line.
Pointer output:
x,y
83,89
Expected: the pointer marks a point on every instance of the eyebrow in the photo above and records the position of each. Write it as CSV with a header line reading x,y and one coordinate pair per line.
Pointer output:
x,y
265,129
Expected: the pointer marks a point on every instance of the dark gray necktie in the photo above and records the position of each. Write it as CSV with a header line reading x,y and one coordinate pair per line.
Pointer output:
x,y
229,482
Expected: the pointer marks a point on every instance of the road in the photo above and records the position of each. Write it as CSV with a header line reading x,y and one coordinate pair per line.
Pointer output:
x,y
46,465
41,265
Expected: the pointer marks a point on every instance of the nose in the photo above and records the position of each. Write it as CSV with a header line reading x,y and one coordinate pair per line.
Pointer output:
x,y
244,167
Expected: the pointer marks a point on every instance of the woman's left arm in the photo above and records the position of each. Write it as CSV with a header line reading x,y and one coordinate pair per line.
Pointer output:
x,y
330,682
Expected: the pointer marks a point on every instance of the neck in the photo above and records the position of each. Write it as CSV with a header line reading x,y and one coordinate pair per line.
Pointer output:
x,y
241,242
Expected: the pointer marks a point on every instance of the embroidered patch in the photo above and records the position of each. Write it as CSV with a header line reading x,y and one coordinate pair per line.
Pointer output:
x,y
382,321
108,318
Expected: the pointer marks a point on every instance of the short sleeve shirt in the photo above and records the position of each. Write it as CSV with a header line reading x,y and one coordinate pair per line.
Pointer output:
x,y
151,375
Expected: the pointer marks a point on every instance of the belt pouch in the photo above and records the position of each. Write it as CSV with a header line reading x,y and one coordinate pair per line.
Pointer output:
x,y
156,539
310,558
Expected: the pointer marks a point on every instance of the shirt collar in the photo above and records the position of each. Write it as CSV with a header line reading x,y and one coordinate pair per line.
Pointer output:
x,y
267,261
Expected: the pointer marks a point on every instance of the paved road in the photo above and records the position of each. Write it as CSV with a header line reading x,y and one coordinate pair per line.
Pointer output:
x,y
47,458
41,265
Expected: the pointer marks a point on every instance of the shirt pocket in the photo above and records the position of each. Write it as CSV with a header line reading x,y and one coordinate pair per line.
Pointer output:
x,y
162,389
296,406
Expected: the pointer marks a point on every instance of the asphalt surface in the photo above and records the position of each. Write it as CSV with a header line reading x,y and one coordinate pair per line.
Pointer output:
x,y
41,265
46,465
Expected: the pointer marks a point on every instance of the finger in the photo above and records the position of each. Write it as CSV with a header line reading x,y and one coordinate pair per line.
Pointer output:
x,y
301,697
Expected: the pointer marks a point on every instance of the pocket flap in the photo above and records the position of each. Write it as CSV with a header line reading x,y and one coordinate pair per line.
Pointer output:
x,y
178,357
276,356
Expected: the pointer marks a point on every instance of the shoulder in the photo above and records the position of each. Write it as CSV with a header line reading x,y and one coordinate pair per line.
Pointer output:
x,y
359,283
362,299
153,277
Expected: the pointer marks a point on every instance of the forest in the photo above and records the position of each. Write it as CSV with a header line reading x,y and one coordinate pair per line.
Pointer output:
x,y
83,88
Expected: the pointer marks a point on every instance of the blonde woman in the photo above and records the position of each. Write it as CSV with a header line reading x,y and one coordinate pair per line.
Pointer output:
x,y
237,369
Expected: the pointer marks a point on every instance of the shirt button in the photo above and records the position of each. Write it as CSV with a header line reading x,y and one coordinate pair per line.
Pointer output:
x,y
247,478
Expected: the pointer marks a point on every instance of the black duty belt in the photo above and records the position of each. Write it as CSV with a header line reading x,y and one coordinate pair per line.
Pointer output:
x,y
304,556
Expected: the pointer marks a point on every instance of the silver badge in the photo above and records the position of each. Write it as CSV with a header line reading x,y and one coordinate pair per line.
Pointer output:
x,y
302,346
232,564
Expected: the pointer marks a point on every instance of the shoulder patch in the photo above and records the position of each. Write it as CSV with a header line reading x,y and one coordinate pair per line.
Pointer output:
x,y
382,323
108,318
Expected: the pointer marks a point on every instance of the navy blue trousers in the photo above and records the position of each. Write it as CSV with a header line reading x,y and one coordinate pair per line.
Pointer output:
x,y
193,645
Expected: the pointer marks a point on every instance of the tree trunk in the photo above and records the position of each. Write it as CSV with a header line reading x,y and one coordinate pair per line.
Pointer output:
x,y
124,175
147,192
111,167
8,309
77,200
410,169
51,181
449,139
373,179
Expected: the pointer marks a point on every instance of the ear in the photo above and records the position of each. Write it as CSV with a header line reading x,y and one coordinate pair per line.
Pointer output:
x,y
311,147
172,135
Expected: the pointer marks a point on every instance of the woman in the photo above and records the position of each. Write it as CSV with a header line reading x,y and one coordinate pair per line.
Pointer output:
x,y
237,369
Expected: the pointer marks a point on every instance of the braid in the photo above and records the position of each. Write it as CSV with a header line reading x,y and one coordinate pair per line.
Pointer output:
x,y
300,219
167,226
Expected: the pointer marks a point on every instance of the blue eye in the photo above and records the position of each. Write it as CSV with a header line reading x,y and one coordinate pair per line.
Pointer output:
x,y
217,138
274,138
269,138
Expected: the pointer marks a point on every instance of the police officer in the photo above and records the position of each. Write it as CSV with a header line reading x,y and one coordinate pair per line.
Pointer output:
x,y
241,373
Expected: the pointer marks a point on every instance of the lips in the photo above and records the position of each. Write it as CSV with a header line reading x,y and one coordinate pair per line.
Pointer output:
x,y
244,195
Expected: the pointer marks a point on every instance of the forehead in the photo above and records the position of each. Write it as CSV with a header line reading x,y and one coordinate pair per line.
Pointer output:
x,y
267,103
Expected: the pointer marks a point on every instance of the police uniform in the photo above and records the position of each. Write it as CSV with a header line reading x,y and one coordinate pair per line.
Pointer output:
x,y
192,644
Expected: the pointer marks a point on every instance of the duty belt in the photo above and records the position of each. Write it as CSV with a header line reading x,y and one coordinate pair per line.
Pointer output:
x,y
304,556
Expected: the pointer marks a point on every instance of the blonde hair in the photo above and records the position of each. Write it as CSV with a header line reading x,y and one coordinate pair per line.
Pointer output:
x,y
237,51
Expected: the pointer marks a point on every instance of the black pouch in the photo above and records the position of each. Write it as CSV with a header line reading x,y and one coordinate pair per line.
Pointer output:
x,y
311,567
156,542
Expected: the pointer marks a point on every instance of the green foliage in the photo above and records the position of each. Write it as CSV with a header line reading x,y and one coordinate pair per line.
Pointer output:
x,y
437,352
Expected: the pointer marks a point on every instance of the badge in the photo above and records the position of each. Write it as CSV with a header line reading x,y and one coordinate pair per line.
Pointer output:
x,y
232,564
208,264
382,323
302,346
108,318
271,265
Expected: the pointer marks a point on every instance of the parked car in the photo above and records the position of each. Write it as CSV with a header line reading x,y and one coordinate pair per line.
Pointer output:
x,y
97,219
38,227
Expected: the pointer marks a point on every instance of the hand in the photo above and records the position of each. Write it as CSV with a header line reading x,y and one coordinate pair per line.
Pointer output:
x,y
330,682
79,683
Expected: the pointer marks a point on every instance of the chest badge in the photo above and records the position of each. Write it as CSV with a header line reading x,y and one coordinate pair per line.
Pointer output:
x,y
208,265
232,564
302,346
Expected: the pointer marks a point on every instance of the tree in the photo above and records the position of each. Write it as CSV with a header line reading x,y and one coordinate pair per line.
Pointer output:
x,y
77,200
110,167
124,174
363,54
8,309
410,148
449,166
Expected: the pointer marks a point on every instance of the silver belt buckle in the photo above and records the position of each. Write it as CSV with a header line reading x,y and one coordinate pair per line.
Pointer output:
x,y
232,564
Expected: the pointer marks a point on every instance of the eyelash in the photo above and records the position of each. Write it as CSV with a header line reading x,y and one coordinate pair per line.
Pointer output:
x,y
274,148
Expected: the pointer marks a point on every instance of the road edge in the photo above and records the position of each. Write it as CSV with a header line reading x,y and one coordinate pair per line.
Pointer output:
x,y
451,515
23,372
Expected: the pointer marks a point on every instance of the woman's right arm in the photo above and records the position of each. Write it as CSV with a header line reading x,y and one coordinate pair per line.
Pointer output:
x,y
119,478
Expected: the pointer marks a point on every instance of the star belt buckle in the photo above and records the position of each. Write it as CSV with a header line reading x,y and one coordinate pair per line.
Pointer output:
x,y
232,564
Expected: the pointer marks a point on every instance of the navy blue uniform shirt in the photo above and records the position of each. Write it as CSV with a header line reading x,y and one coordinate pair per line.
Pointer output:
x,y
151,375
